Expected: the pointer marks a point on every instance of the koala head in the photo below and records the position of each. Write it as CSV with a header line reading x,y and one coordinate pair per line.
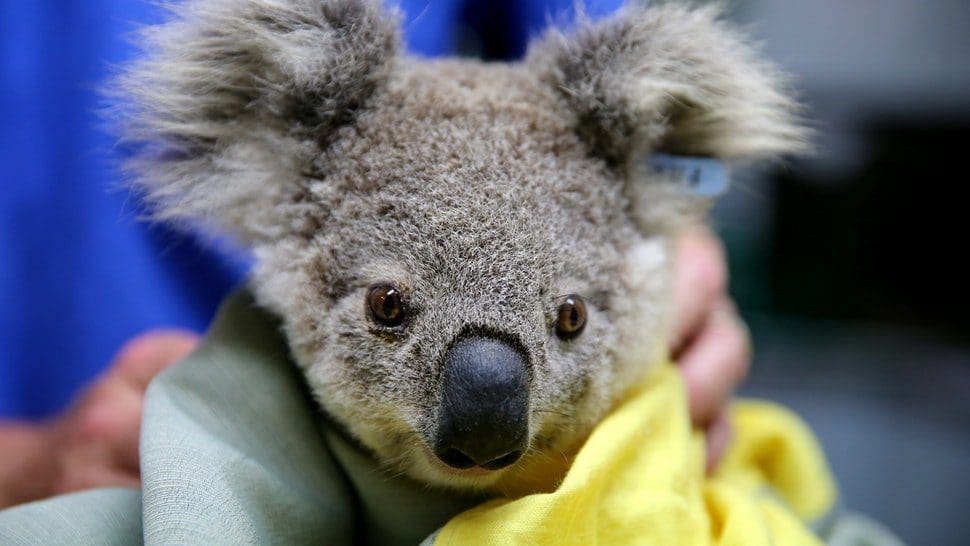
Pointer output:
x,y
469,259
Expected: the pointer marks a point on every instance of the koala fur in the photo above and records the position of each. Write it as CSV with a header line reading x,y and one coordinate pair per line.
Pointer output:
x,y
485,192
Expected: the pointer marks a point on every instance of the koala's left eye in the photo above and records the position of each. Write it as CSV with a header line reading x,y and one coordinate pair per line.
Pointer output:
x,y
386,305
572,317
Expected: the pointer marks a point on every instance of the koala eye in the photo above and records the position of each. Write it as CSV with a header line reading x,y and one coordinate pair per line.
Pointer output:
x,y
386,305
572,317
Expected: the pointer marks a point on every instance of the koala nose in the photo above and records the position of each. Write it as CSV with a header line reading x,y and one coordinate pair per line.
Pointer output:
x,y
484,415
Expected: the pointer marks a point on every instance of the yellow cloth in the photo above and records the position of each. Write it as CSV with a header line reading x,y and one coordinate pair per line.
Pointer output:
x,y
639,479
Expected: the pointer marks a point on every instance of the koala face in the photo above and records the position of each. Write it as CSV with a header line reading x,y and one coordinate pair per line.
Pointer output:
x,y
462,300
469,262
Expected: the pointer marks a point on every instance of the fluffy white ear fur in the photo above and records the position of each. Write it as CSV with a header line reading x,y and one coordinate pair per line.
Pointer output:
x,y
234,98
670,77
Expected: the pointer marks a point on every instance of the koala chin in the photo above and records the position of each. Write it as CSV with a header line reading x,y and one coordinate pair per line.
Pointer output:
x,y
469,259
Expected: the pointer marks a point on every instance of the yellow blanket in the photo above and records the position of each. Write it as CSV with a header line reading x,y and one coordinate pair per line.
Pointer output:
x,y
640,479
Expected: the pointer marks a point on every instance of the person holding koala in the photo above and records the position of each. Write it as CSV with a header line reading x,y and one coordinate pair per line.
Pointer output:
x,y
457,330
709,343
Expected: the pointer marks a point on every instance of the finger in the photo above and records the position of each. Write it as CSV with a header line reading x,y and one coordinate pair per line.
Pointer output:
x,y
700,279
124,443
142,358
718,437
79,475
715,363
109,423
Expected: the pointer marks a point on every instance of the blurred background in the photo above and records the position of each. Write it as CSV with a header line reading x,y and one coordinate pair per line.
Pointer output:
x,y
851,267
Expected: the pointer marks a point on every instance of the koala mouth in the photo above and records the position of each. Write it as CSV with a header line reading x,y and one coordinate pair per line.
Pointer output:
x,y
483,419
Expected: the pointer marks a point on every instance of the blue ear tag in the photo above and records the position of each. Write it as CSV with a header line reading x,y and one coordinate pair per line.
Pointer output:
x,y
700,176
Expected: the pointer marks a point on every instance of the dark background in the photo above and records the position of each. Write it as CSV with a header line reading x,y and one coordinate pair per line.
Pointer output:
x,y
850,266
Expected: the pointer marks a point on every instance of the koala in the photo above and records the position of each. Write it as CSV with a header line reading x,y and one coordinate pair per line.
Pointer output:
x,y
470,260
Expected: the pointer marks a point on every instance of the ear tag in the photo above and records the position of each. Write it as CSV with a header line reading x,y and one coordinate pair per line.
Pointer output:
x,y
700,176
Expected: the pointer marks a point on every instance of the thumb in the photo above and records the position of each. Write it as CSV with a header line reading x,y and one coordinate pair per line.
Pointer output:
x,y
145,356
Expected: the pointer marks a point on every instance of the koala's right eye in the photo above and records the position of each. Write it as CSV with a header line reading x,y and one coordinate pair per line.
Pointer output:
x,y
386,305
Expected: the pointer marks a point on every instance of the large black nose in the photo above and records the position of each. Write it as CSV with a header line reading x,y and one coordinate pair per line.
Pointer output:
x,y
484,415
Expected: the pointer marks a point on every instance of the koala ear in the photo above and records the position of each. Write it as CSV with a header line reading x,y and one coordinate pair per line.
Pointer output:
x,y
234,100
670,78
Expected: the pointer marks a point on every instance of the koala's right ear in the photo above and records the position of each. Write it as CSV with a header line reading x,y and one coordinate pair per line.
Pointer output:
x,y
235,99
669,78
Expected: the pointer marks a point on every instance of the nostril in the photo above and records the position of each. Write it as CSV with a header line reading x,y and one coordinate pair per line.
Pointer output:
x,y
456,459
503,461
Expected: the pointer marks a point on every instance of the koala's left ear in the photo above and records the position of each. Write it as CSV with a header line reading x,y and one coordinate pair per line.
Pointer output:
x,y
670,78
234,101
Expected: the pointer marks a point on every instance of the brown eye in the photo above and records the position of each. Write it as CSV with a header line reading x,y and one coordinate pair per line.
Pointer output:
x,y
386,305
572,317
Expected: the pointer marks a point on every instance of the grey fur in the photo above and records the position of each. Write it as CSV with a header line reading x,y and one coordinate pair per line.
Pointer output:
x,y
485,192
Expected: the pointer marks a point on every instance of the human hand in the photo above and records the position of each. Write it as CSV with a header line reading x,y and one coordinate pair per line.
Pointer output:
x,y
95,442
710,341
